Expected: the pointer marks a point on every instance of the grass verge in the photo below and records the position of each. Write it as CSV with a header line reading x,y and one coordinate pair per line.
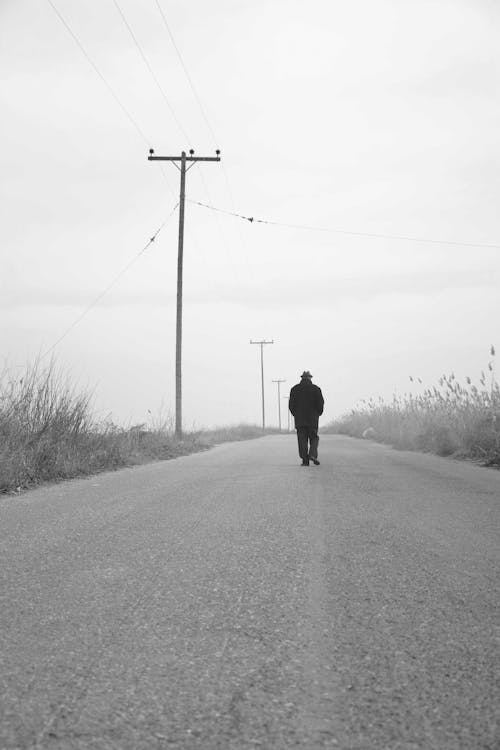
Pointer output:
x,y
450,419
48,433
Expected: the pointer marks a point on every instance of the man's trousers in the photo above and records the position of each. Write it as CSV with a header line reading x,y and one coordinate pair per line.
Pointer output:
x,y
308,440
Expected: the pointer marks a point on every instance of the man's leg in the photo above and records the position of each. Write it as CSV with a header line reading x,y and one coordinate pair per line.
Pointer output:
x,y
302,435
313,440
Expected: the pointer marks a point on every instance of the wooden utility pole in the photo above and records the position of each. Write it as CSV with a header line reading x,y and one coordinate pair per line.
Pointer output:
x,y
279,382
261,344
287,412
183,159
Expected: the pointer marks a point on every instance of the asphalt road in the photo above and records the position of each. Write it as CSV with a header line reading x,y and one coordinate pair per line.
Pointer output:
x,y
233,599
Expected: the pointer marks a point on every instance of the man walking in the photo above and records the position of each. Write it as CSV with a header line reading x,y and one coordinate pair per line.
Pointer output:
x,y
306,404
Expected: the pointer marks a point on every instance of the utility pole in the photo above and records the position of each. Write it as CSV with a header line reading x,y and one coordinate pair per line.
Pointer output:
x,y
183,159
279,401
261,344
287,413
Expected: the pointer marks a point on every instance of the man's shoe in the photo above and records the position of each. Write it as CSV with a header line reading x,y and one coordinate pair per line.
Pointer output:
x,y
314,460
305,463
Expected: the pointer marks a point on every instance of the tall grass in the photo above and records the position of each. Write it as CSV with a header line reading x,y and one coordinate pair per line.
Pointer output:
x,y
48,433
452,418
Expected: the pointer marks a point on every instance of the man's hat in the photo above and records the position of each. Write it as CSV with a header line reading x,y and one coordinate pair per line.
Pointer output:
x,y
306,374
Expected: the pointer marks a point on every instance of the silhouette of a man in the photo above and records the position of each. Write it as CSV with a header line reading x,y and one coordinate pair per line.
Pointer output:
x,y
306,404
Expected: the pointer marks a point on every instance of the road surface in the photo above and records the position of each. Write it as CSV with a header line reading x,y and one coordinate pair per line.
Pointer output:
x,y
234,599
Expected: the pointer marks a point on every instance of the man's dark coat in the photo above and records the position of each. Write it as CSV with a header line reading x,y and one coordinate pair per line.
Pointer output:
x,y
306,403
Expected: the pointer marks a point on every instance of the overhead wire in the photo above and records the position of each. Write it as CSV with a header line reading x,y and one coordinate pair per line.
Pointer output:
x,y
189,79
147,141
70,31
227,250
151,71
111,284
373,235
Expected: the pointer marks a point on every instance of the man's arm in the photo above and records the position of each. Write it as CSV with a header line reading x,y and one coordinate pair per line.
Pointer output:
x,y
320,401
292,401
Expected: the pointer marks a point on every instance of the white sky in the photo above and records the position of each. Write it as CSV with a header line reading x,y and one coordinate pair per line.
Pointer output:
x,y
378,117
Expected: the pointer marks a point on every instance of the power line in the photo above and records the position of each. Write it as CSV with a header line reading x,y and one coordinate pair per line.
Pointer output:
x,y
98,72
110,89
373,235
190,80
227,251
223,211
151,71
110,285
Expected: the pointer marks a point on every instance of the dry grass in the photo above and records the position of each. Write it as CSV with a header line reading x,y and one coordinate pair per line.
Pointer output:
x,y
448,419
230,433
48,433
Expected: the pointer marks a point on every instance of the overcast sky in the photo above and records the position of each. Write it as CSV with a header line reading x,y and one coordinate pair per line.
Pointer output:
x,y
369,116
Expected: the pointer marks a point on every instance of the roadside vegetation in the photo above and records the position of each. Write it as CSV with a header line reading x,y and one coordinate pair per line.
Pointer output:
x,y
48,433
450,419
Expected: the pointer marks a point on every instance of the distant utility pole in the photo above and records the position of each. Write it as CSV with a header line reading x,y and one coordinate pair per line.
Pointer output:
x,y
183,159
287,413
279,401
261,344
